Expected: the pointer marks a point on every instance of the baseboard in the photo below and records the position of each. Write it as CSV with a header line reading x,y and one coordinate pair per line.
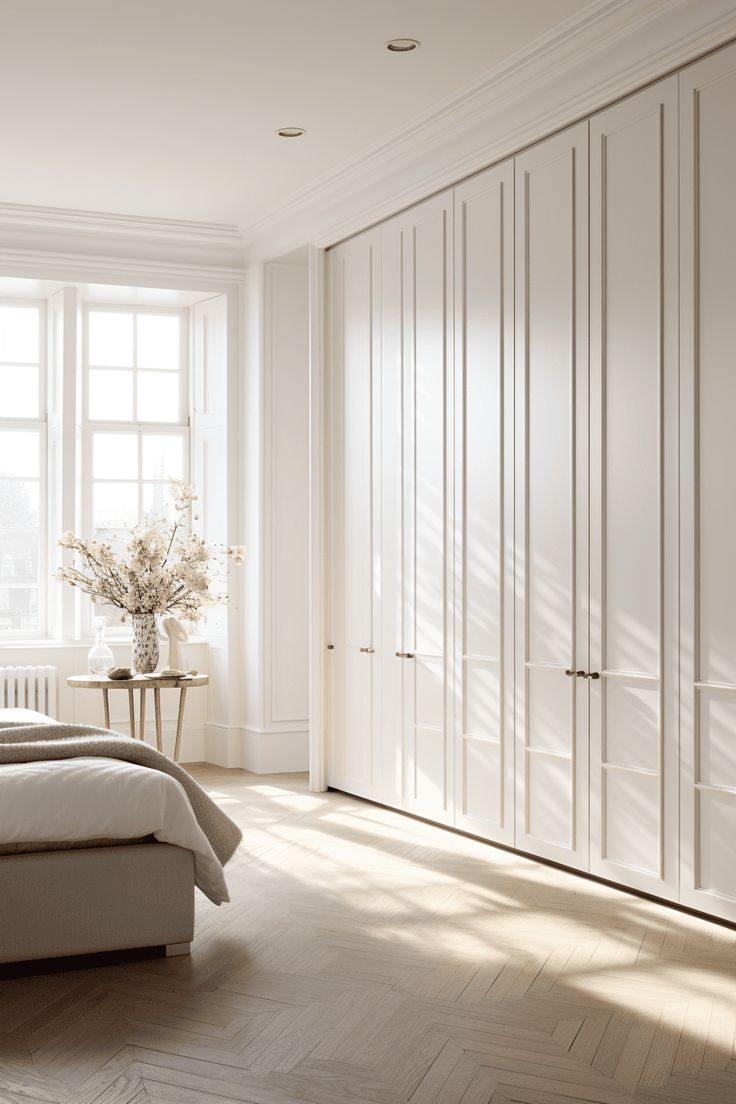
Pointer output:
x,y
257,750
223,745
275,752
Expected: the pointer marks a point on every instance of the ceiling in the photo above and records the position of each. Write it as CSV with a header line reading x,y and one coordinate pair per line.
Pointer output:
x,y
168,108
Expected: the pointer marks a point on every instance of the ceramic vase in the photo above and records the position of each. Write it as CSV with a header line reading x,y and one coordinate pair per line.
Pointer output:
x,y
145,643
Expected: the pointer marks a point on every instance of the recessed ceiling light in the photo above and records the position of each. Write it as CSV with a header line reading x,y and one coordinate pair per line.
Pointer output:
x,y
290,132
402,45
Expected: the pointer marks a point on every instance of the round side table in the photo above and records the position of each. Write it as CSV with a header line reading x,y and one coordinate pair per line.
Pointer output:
x,y
154,682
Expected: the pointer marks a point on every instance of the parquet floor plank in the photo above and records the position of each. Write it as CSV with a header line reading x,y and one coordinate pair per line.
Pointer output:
x,y
368,958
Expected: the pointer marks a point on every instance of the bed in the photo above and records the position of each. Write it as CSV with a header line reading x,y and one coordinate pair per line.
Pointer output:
x,y
102,842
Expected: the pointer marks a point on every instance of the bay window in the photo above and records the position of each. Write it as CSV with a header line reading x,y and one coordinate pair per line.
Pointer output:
x,y
95,419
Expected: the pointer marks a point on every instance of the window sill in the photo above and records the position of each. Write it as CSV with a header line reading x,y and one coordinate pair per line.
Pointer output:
x,y
49,644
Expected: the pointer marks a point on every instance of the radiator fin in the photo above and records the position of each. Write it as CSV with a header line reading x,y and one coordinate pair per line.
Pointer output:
x,y
29,687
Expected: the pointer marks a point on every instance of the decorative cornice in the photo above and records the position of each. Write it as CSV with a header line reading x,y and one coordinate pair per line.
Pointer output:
x,y
102,222
46,264
96,237
609,49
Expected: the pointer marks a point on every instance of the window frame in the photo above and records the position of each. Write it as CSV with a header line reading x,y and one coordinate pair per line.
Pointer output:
x,y
182,313
181,428
39,424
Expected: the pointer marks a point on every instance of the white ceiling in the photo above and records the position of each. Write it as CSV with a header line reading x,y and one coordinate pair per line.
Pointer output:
x,y
168,108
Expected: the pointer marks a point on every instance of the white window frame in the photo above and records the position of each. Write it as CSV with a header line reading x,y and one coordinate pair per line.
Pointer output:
x,y
182,313
181,428
40,424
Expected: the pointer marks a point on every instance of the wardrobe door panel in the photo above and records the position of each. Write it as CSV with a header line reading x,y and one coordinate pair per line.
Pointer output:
x,y
551,482
389,732
353,269
483,674
708,462
633,433
425,237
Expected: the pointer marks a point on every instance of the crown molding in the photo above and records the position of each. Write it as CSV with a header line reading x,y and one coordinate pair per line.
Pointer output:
x,y
67,265
103,222
604,52
57,231
607,50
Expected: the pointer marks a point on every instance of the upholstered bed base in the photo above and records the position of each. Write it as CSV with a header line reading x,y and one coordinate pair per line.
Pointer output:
x,y
58,903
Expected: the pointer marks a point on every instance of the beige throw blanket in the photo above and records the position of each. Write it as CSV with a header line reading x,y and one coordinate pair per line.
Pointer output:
x,y
26,742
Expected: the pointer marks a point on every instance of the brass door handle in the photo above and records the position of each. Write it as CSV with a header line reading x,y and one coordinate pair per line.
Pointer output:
x,y
369,651
593,675
405,655
574,674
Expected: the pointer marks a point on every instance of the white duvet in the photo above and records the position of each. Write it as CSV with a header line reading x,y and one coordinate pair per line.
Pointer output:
x,y
95,798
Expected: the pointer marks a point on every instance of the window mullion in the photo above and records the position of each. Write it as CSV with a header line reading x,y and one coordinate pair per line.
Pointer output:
x,y
140,476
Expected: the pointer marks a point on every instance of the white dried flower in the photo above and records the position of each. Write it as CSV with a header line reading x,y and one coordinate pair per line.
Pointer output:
x,y
164,568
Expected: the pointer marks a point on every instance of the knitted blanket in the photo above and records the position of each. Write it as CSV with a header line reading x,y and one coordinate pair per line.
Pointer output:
x,y
24,741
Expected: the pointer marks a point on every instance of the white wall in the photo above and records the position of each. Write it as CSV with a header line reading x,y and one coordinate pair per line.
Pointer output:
x,y
276,632
261,721
85,706
287,495
62,278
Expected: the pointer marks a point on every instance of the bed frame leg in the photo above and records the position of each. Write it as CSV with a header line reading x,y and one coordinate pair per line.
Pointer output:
x,y
178,949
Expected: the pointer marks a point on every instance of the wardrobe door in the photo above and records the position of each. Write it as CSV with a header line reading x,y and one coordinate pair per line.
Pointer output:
x,y
353,274
633,492
708,464
422,243
552,494
484,395
390,670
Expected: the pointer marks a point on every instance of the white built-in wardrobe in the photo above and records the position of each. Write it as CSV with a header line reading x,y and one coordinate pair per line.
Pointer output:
x,y
532,498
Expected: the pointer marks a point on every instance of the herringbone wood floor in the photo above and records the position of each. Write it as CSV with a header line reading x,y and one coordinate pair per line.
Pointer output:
x,y
371,958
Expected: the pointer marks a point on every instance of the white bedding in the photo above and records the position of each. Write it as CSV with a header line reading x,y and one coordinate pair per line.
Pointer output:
x,y
96,798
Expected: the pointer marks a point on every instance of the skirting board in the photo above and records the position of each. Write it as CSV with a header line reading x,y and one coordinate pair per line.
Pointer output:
x,y
255,750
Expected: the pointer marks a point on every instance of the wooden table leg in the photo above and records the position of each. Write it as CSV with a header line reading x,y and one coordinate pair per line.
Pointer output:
x,y
180,722
131,711
157,704
142,724
106,706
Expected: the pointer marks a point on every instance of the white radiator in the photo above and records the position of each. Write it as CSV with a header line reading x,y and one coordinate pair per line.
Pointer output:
x,y
29,688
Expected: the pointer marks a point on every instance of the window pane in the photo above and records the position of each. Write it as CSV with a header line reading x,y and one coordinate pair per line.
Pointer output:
x,y
157,501
19,391
19,452
111,395
115,456
18,504
158,397
20,551
111,339
158,341
115,505
19,336
19,610
18,557
163,457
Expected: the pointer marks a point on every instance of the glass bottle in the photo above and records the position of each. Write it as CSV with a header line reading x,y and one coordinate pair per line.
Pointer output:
x,y
100,657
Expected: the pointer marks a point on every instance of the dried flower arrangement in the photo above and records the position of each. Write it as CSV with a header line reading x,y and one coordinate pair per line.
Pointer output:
x,y
165,568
